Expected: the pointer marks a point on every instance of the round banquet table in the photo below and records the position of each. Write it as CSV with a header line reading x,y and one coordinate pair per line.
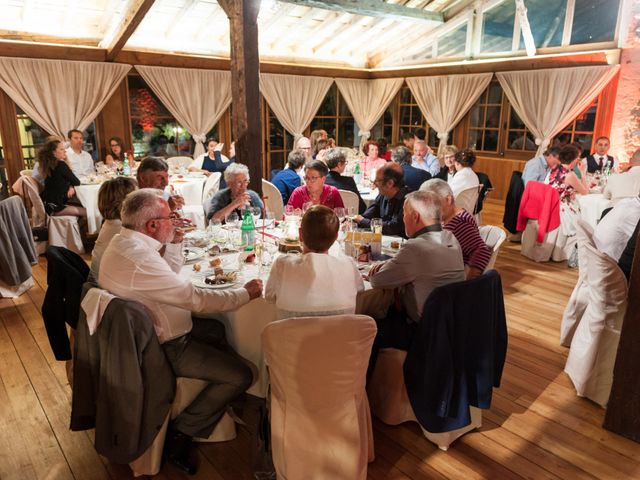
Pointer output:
x,y
88,196
592,206
190,186
244,326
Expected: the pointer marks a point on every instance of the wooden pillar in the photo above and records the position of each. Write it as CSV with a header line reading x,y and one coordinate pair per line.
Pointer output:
x,y
114,120
11,149
245,91
623,409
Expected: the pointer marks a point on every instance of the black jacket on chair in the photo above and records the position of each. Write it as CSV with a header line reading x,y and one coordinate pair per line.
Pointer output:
x,y
458,352
66,272
483,178
512,203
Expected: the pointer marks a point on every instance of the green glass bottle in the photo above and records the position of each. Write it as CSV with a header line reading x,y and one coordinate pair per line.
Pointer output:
x,y
248,230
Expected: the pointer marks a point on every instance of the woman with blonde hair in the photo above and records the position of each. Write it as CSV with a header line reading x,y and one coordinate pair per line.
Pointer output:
x,y
447,156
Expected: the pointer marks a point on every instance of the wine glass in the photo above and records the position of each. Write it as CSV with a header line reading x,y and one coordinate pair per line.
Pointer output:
x,y
270,219
340,213
232,219
357,241
212,229
256,212
376,225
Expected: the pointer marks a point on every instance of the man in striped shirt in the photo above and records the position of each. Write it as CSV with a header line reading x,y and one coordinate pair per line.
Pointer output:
x,y
475,253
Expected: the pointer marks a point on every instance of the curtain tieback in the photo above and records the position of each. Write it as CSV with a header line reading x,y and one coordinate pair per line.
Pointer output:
x,y
199,137
543,143
364,133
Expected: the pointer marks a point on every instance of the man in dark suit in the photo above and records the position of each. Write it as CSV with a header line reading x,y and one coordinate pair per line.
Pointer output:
x,y
413,177
600,160
337,162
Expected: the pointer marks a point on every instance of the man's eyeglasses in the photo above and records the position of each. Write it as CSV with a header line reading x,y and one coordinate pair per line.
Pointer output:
x,y
241,182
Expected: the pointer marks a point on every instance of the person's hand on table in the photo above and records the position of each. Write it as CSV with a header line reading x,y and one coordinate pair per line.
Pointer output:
x,y
176,202
254,288
358,218
178,235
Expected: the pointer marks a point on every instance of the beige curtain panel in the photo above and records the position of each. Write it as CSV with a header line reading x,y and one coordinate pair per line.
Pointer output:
x,y
548,100
197,98
444,100
294,99
60,95
367,100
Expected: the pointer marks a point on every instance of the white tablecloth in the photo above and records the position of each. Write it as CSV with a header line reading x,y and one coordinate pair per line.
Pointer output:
x,y
368,195
88,196
190,187
592,206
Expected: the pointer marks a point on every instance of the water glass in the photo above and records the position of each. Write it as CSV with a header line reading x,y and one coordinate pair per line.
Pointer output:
x,y
256,213
376,225
340,213
232,219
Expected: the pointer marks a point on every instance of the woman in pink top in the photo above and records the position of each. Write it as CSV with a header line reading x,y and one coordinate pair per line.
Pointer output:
x,y
372,161
314,191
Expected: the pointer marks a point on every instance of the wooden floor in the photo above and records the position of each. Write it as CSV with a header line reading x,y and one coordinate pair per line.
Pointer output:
x,y
536,428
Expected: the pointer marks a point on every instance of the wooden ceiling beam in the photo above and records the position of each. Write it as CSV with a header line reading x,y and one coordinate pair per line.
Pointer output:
x,y
131,19
371,8
13,35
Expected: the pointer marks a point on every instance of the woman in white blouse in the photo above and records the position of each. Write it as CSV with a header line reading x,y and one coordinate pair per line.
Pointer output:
x,y
465,177
314,283
110,197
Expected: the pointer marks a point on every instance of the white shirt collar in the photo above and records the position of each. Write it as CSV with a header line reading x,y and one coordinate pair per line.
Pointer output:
x,y
152,243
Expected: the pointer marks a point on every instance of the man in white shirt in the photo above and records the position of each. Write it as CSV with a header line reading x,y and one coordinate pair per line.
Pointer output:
x,y
613,232
627,184
314,283
132,268
79,161
424,159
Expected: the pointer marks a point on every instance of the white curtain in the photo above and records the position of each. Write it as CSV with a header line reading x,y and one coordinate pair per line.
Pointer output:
x,y
60,95
367,100
548,100
444,100
294,99
197,98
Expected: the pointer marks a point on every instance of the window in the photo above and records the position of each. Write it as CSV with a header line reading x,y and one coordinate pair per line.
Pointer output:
x,y
594,21
453,44
384,127
485,119
546,18
334,117
280,142
581,129
154,130
33,136
411,117
518,136
497,28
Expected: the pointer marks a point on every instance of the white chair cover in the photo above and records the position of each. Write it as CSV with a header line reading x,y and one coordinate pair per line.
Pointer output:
x,y
198,213
579,299
26,172
211,187
273,199
186,391
176,163
320,419
468,198
12,291
554,246
390,402
595,342
494,237
349,199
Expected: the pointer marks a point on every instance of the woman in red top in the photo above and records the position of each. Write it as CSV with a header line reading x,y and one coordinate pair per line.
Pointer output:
x,y
314,191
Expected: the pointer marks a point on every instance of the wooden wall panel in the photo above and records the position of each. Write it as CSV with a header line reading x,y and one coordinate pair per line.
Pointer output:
x,y
114,120
11,149
499,171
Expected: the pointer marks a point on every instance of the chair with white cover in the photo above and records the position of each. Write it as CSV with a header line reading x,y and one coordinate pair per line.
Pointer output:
x,y
176,163
320,419
350,200
198,213
494,237
17,249
273,199
595,342
468,198
579,299
64,230
26,172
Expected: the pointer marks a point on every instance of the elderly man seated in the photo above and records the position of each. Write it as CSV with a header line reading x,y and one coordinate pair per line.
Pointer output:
x,y
314,283
431,258
337,162
236,197
626,184
475,253
388,205
153,172
539,167
132,268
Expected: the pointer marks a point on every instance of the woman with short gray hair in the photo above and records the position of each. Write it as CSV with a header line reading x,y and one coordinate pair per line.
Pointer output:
x,y
236,197
475,253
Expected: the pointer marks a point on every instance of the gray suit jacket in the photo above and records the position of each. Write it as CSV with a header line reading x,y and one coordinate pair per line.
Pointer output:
x,y
123,384
429,260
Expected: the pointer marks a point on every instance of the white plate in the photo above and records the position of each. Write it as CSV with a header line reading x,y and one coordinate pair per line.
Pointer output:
x,y
193,253
198,281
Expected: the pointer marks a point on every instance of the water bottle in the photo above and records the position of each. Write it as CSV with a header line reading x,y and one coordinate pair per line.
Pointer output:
x,y
357,175
126,168
248,230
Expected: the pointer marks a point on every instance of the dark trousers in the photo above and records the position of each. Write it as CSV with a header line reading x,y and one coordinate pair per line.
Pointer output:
x,y
204,354
394,331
